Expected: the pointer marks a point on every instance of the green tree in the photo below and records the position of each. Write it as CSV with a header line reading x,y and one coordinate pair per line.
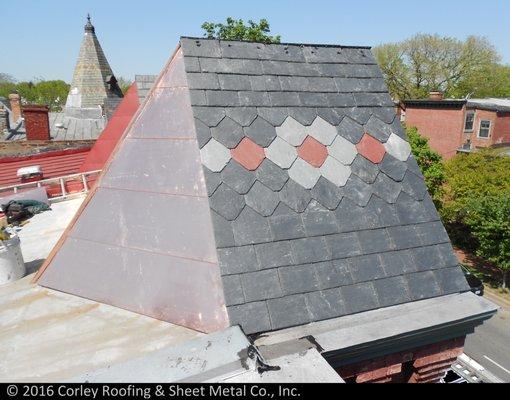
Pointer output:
x,y
425,63
489,221
52,93
490,81
430,163
469,177
236,29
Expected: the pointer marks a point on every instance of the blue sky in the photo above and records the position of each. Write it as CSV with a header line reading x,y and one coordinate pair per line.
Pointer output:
x,y
42,38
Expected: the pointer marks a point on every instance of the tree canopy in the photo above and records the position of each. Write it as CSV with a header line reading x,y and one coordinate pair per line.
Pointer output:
x,y
52,93
425,63
489,221
430,163
236,29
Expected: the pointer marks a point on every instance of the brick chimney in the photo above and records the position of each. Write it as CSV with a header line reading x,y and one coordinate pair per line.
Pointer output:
x,y
15,100
37,122
436,96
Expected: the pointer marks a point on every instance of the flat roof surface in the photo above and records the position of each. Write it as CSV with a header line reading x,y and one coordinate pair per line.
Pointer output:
x,y
52,336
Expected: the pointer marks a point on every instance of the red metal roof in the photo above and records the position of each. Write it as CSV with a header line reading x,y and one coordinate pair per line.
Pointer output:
x,y
53,164
113,131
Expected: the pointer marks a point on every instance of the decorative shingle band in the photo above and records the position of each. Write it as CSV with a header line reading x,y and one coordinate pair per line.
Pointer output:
x,y
306,152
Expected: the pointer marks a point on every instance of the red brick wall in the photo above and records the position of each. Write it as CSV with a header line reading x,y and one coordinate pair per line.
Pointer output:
x,y
479,116
426,364
502,129
443,127
37,123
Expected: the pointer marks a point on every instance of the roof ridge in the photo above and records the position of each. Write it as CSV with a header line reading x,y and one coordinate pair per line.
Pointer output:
x,y
283,43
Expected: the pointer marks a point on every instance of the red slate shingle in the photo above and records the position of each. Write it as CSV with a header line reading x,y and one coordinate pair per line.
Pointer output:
x,y
313,152
249,154
371,149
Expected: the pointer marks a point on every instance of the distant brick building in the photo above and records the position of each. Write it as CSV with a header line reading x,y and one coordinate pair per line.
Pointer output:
x,y
460,125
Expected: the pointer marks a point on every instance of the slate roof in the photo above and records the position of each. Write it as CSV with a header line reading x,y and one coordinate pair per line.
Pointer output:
x,y
299,243
144,84
63,127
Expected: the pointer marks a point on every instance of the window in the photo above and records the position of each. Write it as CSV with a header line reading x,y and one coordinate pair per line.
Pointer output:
x,y
485,129
470,122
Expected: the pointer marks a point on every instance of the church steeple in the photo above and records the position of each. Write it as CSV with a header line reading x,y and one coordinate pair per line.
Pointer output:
x,y
93,81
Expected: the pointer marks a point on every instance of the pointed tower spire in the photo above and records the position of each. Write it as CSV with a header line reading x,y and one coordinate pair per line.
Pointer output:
x,y
88,26
94,83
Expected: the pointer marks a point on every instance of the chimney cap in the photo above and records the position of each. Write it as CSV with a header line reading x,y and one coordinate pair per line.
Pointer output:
x,y
436,95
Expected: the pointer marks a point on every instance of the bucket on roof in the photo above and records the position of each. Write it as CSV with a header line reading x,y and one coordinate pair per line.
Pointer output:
x,y
12,266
